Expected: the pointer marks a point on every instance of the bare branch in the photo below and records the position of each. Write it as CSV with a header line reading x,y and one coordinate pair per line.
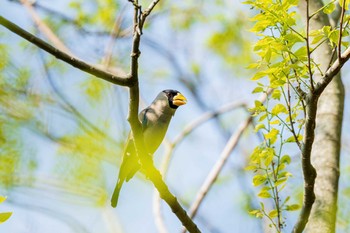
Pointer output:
x,y
341,29
170,146
308,45
332,71
93,70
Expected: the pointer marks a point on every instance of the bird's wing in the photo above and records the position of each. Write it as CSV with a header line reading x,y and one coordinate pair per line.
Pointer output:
x,y
143,118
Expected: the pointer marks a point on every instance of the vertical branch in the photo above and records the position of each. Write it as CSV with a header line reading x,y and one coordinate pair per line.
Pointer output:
x,y
308,44
145,159
341,30
309,172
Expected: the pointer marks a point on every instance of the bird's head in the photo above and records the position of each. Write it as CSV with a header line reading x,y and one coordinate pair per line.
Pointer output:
x,y
175,98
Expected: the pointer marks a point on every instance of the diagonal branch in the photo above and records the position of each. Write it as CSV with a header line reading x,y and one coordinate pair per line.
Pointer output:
x,y
170,146
80,64
332,71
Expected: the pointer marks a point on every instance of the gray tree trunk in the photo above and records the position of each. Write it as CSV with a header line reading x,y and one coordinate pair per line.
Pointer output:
x,y
326,147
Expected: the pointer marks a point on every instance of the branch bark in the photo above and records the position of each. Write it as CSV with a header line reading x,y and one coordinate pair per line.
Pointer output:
x,y
325,105
146,161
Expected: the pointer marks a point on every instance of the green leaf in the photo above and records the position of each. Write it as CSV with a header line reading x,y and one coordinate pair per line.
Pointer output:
x,y
257,213
264,194
279,108
5,216
301,52
329,8
258,180
273,214
292,207
258,90
341,3
334,36
276,94
259,127
280,181
258,75
2,199
285,159
263,117
272,135
284,174
250,168
269,158
275,122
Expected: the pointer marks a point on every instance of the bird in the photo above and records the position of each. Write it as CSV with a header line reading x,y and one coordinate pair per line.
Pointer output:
x,y
155,120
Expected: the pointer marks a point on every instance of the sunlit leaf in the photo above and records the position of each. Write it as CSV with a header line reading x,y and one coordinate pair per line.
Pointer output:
x,y
2,199
285,159
273,214
272,135
258,90
264,194
258,127
329,8
258,179
279,108
5,216
292,207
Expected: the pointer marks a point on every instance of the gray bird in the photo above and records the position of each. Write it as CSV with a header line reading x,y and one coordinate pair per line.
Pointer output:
x,y
155,120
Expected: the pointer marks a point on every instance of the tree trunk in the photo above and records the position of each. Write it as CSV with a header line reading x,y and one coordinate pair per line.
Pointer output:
x,y
326,147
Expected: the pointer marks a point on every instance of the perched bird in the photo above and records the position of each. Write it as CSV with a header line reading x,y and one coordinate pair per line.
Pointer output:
x,y
155,120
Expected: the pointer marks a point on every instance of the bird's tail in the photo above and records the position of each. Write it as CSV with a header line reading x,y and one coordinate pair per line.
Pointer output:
x,y
115,196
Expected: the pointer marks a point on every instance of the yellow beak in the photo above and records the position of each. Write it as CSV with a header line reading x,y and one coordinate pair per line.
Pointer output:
x,y
179,100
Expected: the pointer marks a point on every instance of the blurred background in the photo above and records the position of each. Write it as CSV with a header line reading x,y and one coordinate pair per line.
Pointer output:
x,y
62,131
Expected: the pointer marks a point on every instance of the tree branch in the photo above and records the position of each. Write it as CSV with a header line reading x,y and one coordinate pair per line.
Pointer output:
x,y
331,72
93,70
145,159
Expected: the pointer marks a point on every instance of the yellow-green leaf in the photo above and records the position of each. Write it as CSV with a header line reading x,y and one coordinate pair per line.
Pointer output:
x,y
341,3
258,180
2,199
264,194
329,8
259,127
275,122
292,207
258,90
273,214
250,167
5,216
272,135
280,181
268,159
276,94
257,213
279,108
285,159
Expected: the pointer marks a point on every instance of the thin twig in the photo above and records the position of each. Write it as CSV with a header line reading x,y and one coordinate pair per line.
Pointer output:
x,y
308,44
341,29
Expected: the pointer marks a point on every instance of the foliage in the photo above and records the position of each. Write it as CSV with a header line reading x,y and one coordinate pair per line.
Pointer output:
x,y
6,215
284,72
